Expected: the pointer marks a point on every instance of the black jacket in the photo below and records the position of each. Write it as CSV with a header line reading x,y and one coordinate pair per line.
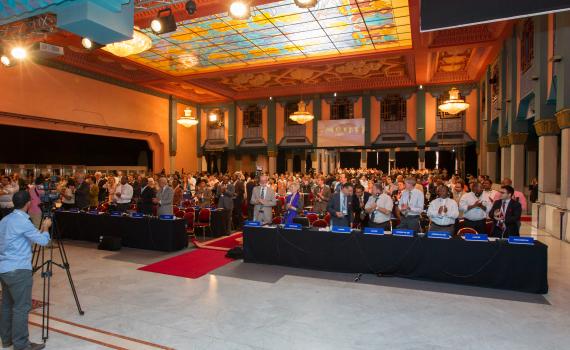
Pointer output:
x,y
334,206
512,218
82,196
145,202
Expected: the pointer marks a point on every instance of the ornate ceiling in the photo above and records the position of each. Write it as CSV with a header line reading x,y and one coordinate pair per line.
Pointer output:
x,y
341,45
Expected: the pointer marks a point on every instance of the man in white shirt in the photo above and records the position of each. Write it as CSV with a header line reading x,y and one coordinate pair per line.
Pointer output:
x,y
411,205
123,195
489,193
475,207
443,211
379,208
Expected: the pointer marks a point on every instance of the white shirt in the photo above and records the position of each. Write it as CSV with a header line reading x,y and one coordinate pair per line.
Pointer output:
x,y
443,219
474,214
126,192
383,201
6,195
414,199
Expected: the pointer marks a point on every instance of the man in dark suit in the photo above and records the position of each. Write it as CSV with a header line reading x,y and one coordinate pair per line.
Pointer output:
x,y
249,192
359,200
145,203
340,206
81,192
506,214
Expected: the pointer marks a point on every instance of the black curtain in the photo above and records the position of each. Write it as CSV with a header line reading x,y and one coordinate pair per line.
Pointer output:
x,y
407,159
447,161
471,158
296,163
350,159
377,160
281,162
37,146
430,159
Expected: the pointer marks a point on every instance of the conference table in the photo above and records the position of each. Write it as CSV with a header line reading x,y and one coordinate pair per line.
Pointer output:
x,y
494,264
143,233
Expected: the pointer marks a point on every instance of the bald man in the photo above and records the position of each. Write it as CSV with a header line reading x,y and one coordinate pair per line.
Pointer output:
x,y
263,200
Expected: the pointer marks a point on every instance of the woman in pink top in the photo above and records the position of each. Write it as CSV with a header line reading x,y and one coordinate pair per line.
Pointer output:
x,y
36,191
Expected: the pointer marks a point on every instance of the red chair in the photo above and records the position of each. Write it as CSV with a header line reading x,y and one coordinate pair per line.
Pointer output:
x,y
189,217
464,230
277,220
175,209
180,214
133,207
320,223
204,216
489,227
187,203
328,219
312,217
244,210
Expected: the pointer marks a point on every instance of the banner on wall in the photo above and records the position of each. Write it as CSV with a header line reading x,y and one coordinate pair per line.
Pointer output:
x,y
340,133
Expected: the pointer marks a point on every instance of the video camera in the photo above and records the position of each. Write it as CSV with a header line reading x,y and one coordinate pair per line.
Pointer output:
x,y
50,195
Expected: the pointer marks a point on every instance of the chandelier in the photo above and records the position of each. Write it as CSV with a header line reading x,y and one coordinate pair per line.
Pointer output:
x,y
188,119
455,104
302,115
139,43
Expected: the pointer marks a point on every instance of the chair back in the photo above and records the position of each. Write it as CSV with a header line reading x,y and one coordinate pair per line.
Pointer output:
x,y
319,223
179,214
328,219
189,217
464,230
204,215
277,220
312,217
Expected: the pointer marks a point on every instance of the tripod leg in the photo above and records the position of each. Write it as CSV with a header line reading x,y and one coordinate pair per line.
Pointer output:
x,y
65,264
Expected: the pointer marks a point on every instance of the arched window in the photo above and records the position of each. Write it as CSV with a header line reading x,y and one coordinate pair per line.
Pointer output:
x,y
342,108
252,116
527,45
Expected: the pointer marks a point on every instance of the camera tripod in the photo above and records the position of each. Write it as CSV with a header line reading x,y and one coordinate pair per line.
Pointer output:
x,y
46,269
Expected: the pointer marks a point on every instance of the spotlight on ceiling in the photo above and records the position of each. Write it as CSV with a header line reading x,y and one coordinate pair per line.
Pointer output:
x,y
305,4
240,9
19,53
164,22
89,44
191,7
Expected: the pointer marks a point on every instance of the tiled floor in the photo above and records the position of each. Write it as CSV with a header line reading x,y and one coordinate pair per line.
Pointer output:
x,y
243,306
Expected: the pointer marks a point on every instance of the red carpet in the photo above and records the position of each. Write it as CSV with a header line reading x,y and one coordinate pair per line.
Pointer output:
x,y
222,243
194,264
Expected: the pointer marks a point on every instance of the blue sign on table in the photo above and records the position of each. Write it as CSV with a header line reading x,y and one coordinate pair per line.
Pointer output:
x,y
137,215
438,235
403,233
166,217
93,212
249,223
116,213
373,231
293,227
341,229
476,237
521,240
74,210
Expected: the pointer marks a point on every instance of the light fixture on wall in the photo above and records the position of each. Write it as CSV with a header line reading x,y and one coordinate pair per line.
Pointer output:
x,y
305,4
164,22
139,43
302,116
213,116
187,120
240,9
454,104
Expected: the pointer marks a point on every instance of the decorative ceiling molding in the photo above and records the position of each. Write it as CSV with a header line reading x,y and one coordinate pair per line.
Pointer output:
x,y
464,35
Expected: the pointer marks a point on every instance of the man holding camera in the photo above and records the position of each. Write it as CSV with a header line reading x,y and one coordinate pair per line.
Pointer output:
x,y
17,234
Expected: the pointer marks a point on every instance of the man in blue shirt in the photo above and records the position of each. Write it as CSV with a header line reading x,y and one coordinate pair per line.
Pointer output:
x,y
17,233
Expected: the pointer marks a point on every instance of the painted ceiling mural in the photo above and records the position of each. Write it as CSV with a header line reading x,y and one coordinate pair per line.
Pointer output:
x,y
280,32
453,60
317,74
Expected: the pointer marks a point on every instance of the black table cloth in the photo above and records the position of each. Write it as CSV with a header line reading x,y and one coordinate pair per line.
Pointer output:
x,y
143,233
493,264
218,222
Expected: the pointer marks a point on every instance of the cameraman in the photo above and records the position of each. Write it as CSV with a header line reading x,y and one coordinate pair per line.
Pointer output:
x,y
17,233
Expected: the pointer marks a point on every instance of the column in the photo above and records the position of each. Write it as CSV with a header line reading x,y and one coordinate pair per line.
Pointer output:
x,y
363,159
505,157
491,161
289,162
272,166
315,160
563,119
421,158
172,132
517,141
547,129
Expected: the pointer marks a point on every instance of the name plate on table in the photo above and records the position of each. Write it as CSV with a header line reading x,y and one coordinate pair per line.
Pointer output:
x,y
166,217
74,210
341,229
297,227
249,223
373,231
137,215
116,213
93,212
472,237
403,233
438,235
521,240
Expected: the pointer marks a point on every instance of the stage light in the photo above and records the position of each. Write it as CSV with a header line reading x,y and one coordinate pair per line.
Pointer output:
x,y
19,53
305,4
240,9
164,22
89,44
191,7
7,61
